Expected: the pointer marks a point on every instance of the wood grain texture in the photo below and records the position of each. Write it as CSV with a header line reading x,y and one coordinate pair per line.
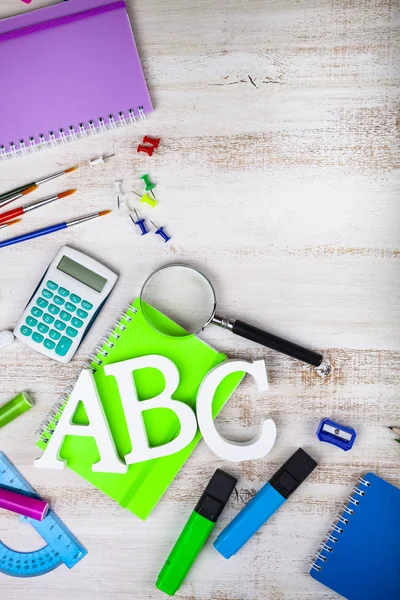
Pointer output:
x,y
277,174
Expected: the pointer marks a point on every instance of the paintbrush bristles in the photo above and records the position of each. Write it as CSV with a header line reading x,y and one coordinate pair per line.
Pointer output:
x,y
29,190
67,193
71,169
104,212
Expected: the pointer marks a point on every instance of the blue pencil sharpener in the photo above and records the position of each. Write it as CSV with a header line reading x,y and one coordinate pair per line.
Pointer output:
x,y
338,435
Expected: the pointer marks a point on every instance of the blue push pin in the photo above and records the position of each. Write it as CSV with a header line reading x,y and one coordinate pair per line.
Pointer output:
x,y
140,223
160,231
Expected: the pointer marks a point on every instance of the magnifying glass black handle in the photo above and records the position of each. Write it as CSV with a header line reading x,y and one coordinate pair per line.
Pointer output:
x,y
276,343
269,340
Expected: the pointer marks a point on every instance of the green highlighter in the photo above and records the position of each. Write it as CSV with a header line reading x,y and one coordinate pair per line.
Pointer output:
x,y
196,531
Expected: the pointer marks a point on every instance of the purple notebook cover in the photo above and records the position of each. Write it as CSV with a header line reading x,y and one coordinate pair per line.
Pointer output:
x,y
66,65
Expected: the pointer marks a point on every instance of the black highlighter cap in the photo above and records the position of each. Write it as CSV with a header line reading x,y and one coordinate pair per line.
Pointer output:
x,y
295,470
216,495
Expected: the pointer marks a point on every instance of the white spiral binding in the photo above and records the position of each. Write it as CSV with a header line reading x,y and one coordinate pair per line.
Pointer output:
x,y
107,341
321,558
41,140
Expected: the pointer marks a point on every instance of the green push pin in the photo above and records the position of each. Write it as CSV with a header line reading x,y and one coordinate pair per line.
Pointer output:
x,y
149,187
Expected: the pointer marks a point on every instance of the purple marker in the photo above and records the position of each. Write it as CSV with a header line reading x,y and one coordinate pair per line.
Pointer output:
x,y
23,505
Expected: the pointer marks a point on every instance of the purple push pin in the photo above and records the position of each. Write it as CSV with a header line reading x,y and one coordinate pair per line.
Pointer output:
x,y
160,231
140,223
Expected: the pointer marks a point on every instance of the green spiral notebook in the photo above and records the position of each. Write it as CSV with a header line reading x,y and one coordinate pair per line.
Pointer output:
x,y
140,489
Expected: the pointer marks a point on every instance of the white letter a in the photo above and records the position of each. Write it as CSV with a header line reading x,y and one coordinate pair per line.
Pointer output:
x,y
85,390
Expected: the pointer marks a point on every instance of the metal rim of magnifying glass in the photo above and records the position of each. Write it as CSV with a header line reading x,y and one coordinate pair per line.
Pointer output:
x,y
207,280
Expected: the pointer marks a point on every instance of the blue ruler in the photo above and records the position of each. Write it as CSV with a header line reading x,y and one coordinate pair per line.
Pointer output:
x,y
62,545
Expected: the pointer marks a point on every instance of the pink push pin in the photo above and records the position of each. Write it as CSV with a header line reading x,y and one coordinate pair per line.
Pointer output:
x,y
148,149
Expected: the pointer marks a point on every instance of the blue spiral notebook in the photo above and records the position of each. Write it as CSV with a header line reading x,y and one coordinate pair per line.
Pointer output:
x,y
360,559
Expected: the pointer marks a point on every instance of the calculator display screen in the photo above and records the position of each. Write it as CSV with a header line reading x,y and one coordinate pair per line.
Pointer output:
x,y
81,273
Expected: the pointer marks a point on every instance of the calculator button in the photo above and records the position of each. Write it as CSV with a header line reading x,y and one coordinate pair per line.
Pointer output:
x,y
41,302
25,330
54,334
30,321
63,346
71,332
86,305
37,337
47,294
43,328
36,311
74,298
58,300
65,316
48,318
82,314
54,310
59,325
69,306
76,322
63,292
49,344
51,285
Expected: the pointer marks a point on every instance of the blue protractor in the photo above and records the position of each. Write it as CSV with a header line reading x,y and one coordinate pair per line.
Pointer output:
x,y
62,545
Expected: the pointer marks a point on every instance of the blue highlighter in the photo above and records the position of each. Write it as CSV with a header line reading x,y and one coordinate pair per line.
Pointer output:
x,y
260,508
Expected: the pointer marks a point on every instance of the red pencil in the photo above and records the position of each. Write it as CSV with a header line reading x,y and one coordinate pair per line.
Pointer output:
x,y
17,212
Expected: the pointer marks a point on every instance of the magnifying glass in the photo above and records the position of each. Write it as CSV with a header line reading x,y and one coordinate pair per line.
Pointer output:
x,y
187,296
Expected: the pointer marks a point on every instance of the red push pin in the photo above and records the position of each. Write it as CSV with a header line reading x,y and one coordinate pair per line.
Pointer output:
x,y
155,142
148,149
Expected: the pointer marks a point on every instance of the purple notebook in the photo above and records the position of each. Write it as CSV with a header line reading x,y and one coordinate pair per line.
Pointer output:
x,y
67,71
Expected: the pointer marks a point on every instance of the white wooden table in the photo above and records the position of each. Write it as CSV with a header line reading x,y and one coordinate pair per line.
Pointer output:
x,y
276,175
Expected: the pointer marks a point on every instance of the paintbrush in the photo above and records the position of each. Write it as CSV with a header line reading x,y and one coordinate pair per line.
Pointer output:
x,y
22,188
10,223
18,212
52,229
17,195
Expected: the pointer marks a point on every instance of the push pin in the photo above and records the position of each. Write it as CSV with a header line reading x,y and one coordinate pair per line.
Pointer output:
x,y
149,187
155,142
145,198
100,160
160,231
148,149
140,223
338,435
117,186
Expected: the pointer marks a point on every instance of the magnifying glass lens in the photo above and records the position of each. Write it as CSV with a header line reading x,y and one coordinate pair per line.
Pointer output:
x,y
181,293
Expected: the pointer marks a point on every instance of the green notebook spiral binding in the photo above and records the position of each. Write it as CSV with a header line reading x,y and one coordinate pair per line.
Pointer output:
x,y
140,489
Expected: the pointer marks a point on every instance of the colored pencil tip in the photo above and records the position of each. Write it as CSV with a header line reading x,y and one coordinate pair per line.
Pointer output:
x,y
104,212
67,193
14,222
71,169
29,190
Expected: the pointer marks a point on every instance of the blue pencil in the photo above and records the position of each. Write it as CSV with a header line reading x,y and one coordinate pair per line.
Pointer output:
x,y
53,228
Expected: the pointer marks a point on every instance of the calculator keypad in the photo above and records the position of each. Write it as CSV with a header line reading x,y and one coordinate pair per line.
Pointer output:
x,y
65,313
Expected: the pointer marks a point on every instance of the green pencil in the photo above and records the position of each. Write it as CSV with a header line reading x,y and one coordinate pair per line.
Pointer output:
x,y
396,430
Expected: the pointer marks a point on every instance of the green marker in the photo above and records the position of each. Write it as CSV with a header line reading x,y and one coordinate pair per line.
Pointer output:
x,y
196,531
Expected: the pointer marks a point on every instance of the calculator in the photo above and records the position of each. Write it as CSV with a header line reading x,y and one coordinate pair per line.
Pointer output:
x,y
65,304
